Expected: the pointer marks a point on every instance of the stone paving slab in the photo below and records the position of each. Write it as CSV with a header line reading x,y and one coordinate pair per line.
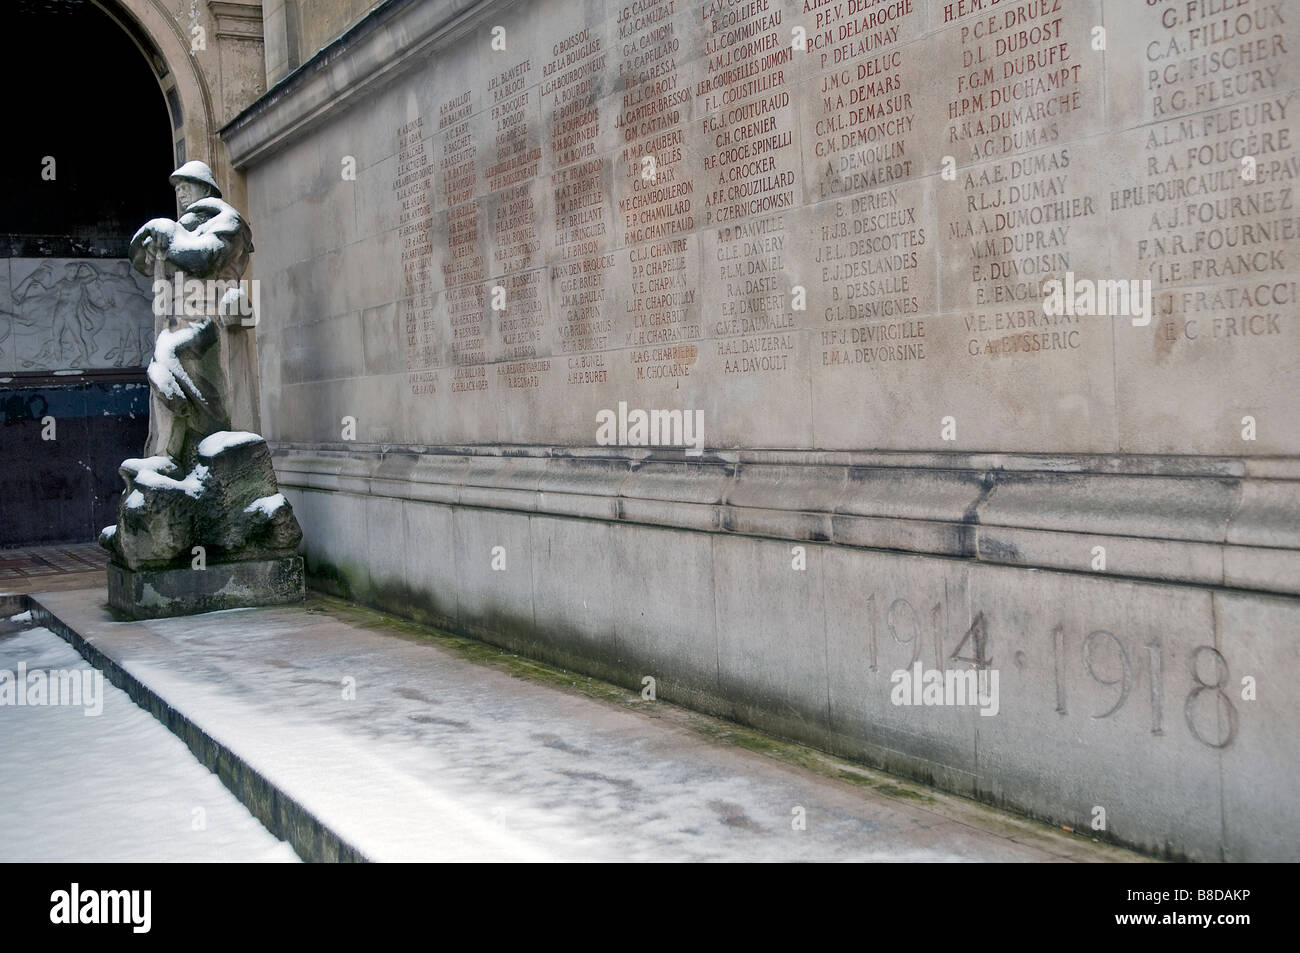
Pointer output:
x,y
52,566
358,736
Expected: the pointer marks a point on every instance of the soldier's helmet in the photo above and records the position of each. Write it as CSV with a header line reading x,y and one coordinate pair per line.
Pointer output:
x,y
196,171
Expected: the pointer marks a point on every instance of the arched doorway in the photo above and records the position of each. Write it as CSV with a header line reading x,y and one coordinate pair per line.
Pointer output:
x,y
94,136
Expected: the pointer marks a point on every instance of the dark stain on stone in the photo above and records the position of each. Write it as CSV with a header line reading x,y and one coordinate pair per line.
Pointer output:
x,y
727,519
318,681
435,720
415,695
996,549
733,815
558,743
624,784
972,513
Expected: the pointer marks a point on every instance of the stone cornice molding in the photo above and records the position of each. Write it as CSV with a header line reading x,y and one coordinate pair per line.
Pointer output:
x,y
391,39
1192,520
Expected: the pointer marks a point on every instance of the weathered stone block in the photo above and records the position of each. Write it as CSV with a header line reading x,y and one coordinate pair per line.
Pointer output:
x,y
154,593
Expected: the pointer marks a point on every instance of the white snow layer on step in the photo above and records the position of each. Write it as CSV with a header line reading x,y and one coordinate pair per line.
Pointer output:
x,y
354,786
115,788
225,439
470,775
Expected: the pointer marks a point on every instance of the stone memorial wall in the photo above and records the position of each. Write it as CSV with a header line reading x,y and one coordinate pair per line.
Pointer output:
x,y
767,348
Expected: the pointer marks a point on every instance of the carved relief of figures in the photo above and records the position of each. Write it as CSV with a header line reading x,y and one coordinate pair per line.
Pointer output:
x,y
63,314
133,345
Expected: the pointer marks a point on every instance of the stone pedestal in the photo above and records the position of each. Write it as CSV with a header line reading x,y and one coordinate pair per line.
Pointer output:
x,y
154,593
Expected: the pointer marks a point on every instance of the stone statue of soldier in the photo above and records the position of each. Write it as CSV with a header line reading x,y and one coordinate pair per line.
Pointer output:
x,y
211,241
202,524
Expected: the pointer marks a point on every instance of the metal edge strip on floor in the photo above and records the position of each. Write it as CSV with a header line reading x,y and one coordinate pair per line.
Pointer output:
x,y
283,816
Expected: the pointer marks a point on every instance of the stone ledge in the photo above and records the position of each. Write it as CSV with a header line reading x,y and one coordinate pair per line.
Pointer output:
x,y
392,38
1204,528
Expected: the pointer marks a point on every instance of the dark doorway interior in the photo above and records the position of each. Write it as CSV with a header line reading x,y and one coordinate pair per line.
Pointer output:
x,y
84,94
67,489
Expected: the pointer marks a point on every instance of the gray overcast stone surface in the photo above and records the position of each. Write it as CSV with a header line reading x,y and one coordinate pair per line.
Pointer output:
x,y
837,256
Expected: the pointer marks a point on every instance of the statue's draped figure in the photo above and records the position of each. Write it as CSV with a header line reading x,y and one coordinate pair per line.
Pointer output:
x,y
202,484
195,357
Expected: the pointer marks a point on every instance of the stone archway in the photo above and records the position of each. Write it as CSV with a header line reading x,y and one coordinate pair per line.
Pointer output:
x,y
89,165
161,41
209,63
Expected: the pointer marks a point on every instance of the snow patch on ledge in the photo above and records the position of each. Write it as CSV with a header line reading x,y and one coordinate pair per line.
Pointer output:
x,y
156,464
222,440
266,505
191,486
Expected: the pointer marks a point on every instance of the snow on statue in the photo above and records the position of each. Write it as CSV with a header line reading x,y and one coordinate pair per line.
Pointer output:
x,y
204,492
211,242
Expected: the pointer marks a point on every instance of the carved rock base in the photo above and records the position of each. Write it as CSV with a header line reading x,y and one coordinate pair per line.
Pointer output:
x,y
156,593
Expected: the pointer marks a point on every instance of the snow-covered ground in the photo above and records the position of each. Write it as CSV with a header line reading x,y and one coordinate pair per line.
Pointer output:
x,y
410,751
113,787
